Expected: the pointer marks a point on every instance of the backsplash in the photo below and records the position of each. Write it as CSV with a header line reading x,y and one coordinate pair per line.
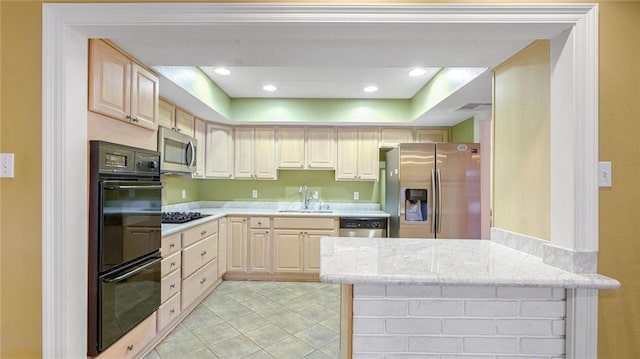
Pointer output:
x,y
285,189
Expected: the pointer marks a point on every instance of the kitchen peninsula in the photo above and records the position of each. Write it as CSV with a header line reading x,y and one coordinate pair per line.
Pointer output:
x,y
431,297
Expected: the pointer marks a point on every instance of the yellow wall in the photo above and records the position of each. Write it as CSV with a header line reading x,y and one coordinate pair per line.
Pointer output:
x,y
20,113
521,147
619,311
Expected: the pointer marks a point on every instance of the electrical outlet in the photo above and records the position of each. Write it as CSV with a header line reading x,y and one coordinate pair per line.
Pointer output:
x,y
184,193
254,193
6,165
356,195
315,194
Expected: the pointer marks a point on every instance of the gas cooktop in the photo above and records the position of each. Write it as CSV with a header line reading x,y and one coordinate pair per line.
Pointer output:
x,y
181,217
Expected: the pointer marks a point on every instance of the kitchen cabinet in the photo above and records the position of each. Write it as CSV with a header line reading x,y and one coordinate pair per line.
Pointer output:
x,y
391,137
120,88
254,153
287,250
306,148
258,250
222,246
237,244
200,132
311,249
170,283
429,135
132,344
175,118
357,154
219,151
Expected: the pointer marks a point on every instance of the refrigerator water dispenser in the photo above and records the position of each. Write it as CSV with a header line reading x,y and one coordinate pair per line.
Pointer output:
x,y
415,205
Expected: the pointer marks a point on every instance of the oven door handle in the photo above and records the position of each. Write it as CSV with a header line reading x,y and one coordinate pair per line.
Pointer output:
x,y
133,187
133,272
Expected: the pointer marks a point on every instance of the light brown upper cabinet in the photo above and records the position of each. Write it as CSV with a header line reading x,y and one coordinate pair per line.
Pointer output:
x,y
306,148
200,132
432,135
391,137
358,154
219,151
120,88
175,118
255,153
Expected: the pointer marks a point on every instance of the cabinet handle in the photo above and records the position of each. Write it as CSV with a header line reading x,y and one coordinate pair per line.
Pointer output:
x,y
203,253
172,311
135,119
244,220
173,264
259,223
229,175
178,129
301,232
203,280
129,117
173,285
203,232
172,245
301,166
130,347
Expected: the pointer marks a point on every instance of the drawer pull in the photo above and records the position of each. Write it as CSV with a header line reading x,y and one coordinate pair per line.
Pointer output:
x,y
172,245
173,285
203,253
172,311
130,347
203,280
173,264
203,232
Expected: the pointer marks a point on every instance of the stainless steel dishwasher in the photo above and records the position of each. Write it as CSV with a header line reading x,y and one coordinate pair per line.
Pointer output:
x,y
369,227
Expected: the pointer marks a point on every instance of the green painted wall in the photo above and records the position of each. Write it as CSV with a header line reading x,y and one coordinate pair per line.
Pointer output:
x,y
319,110
285,189
463,131
173,186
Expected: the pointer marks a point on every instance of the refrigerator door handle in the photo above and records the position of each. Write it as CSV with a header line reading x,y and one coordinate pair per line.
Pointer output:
x,y
438,180
433,201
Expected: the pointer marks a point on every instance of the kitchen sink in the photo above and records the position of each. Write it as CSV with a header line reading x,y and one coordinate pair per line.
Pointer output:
x,y
305,211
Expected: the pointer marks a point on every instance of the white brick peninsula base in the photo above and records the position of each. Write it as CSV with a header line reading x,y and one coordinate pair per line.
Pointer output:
x,y
450,299
424,321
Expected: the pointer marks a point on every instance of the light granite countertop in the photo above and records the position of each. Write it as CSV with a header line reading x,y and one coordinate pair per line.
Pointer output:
x,y
443,262
219,212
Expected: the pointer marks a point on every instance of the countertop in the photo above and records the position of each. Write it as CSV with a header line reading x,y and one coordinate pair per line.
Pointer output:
x,y
215,213
443,262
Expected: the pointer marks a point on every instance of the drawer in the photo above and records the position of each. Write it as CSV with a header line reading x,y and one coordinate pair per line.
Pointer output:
x,y
130,345
192,235
169,286
305,222
170,263
170,244
197,254
168,311
198,282
260,222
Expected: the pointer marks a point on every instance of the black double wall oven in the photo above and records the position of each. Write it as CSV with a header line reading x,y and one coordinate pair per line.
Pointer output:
x,y
124,241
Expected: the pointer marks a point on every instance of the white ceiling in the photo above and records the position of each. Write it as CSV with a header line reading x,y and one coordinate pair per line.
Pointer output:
x,y
336,60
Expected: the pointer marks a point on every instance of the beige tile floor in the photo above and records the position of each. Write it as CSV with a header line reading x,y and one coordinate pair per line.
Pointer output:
x,y
259,320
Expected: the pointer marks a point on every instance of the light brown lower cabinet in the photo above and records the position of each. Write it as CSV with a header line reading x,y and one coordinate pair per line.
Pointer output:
x,y
198,283
287,251
131,345
168,311
259,250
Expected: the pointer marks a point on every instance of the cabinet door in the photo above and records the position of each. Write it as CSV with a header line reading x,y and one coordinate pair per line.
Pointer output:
x,y
264,160
321,147
237,244
290,147
259,250
200,135
347,166
312,250
144,98
166,114
287,247
185,122
391,137
219,151
368,157
222,246
109,81
432,135
243,154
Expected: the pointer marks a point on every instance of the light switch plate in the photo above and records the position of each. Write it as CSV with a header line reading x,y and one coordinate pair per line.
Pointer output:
x,y
254,193
184,194
6,165
604,174
356,195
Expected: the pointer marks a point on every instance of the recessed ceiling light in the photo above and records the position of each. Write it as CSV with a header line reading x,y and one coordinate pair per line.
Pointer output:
x,y
222,71
417,72
269,88
371,89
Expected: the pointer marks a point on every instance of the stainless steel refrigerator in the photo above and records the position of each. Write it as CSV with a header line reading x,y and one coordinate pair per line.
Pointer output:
x,y
433,190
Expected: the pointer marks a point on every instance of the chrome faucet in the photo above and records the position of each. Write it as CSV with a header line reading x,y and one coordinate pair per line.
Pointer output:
x,y
304,190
